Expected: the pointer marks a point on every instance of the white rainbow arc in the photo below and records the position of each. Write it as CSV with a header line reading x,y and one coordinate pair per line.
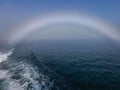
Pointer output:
x,y
41,22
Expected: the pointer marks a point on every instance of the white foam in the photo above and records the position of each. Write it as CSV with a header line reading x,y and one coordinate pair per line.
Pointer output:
x,y
3,73
29,74
4,56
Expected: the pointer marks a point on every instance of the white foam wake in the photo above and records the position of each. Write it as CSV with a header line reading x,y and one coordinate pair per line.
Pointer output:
x,y
29,79
3,73
28,76
4,56
22,76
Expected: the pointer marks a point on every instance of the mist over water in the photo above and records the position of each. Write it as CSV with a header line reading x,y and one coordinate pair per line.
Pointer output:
x,y
61,57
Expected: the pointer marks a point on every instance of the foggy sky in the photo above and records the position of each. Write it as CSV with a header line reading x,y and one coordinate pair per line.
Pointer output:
x,y
14,12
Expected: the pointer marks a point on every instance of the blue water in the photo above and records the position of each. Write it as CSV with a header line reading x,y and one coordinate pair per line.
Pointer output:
x,y
72,65
88,65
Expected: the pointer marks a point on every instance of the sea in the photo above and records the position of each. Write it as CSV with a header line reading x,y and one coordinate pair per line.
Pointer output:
x,y
61,65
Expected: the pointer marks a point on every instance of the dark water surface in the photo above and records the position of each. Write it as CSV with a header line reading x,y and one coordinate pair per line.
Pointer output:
x,y
70,65
86,65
